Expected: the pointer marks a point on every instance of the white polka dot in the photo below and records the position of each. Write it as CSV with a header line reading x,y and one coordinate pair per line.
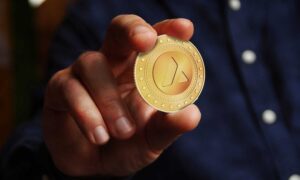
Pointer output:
x,y
36,3
248,57
234,4
294,177
269,116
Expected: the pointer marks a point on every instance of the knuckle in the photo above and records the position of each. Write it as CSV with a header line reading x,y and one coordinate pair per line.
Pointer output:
x,y
126,21
125,18
111,103
86,61
57,80
54,88
90,55
69,85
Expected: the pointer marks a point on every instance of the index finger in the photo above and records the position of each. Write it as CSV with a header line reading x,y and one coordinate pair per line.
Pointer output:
x,y
128,33
180,28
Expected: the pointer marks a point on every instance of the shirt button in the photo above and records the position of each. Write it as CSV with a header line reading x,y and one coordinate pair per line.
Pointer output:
x,y
248,56
294,177
234,4
269,117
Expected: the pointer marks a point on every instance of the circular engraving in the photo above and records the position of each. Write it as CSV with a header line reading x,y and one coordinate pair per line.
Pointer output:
x,y
172,72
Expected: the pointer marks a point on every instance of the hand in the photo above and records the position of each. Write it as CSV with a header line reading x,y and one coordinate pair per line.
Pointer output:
x,y
94,120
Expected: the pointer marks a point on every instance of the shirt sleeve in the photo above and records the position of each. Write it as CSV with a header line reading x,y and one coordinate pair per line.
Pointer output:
x,y
26,156
20,156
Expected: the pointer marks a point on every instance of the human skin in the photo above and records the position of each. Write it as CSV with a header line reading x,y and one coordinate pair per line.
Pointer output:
x,y
95,123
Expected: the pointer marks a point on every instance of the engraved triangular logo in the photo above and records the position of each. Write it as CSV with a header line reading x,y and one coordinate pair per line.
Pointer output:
x,y
172,74
183,78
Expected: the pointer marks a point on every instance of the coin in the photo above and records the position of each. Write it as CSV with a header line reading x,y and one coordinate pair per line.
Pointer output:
x,y
171,76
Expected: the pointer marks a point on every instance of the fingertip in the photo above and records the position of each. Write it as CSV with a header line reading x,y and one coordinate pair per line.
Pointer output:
x,y
100,135
180,28
166,127
128,33
186,119
124,128
184,28
194,110
143,38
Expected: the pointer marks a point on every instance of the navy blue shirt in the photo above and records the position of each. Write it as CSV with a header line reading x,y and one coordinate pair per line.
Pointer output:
x,y
250,104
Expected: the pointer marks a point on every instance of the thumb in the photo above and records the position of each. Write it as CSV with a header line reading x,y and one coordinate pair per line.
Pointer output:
x,y
166,127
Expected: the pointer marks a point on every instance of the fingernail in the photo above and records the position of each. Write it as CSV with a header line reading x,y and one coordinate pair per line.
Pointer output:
x,y
123,126
141,30
100,135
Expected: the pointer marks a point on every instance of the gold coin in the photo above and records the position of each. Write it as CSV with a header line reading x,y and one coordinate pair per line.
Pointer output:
x,y
171,76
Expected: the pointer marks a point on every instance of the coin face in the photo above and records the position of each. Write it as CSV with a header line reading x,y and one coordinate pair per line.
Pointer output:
x,y
171,76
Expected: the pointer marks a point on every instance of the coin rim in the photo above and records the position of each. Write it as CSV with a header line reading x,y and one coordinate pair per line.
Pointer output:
x,y
138,58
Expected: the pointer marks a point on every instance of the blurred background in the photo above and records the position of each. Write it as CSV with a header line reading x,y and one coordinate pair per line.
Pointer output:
x,y
26,30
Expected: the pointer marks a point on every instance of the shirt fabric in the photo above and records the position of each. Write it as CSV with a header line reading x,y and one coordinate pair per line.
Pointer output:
x,y
251,51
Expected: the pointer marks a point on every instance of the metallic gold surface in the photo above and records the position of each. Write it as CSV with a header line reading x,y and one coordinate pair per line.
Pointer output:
x,y
171,76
